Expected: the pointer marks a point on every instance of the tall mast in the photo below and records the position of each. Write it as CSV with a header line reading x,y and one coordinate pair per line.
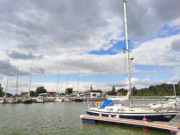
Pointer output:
x,y
30,81
67,81
17,80
174,90
127,48
58,83
6,87
78,82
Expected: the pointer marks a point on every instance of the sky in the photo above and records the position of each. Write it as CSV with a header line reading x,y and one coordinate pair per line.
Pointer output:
x,y
66,37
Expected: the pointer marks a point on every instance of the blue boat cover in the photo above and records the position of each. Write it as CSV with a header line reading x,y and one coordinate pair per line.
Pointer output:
x,y
106,103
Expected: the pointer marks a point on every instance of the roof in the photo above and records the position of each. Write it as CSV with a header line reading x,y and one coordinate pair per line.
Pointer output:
x,y
51,92
96,91
24,93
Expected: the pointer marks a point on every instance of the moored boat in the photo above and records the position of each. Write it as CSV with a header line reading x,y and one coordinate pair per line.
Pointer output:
x,y
150,112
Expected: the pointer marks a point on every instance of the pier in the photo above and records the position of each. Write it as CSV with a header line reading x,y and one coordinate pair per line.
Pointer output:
x,y
157,125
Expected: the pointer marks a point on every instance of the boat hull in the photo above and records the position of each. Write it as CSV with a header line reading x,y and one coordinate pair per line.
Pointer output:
x,y
78,100
137,116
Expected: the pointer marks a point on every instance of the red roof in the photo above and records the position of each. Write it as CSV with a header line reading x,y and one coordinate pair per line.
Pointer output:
x,y
51,93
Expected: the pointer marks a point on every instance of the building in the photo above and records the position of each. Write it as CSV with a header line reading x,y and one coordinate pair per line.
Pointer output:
x,y
52,94
23,94
75,94
96,93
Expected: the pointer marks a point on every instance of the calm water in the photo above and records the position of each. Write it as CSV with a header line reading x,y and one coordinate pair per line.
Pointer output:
x,y
58,119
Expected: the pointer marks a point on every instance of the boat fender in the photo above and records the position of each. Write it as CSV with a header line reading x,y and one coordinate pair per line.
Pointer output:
x,y
144,119
97,104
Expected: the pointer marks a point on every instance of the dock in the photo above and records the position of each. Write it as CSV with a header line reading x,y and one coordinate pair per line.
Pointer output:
x,y
157,125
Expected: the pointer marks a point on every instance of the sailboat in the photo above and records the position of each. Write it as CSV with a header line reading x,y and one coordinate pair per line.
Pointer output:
x,y
58,99
112,107
78,97
14,99
27,99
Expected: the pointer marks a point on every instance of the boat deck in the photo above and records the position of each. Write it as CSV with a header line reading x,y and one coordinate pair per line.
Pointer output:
x,y
158,125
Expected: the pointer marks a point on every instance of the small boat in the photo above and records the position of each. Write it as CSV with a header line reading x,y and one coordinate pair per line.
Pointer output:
x,y
14,100
68,99
40,99
44,97
58,99
27,100
2,101
78,100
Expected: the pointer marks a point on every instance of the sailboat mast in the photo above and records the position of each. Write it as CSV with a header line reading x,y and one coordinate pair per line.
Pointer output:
x,y
6,88
67,81
30,81
17,80
174,90
58,83
127,48
78,82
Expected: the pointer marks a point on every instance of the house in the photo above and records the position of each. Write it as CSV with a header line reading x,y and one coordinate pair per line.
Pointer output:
x,y
52,94
23,94
74,94
96,93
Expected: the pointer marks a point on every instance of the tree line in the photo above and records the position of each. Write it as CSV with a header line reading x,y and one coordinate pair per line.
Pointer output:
x,y
35,93
153,90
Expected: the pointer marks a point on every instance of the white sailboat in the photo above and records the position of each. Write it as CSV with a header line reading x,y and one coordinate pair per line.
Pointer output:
x,y
57,99
27,98
68,98
112,108
78,97
14,99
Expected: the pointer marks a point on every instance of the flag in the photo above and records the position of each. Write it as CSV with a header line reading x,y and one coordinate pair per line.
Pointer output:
x,y
124,50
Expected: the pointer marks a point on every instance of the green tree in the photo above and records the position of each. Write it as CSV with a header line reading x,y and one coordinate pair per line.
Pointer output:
x,y
32,93
123,91
113,92
1,91
40,90
69,91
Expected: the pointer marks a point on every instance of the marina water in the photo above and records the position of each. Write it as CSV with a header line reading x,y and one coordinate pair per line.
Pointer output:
x,y
59,119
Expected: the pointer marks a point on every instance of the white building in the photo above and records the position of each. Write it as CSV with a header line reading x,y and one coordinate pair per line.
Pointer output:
x,y
96,93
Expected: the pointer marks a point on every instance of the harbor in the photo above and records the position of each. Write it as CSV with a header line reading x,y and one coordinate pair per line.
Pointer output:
x,y
61,118
93,67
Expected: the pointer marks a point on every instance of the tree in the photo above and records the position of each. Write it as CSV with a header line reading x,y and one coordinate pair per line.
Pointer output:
x,y
123,91
1,91
32,93
113,92
40,90
69,91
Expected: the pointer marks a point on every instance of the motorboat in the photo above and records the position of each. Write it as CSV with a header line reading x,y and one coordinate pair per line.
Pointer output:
x,y
58,99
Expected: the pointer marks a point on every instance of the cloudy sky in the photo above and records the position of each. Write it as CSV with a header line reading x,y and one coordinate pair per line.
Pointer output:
x,y
87,37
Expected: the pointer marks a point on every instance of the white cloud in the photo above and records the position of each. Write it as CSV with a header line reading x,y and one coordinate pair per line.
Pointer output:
x,y
175,79
58,35
159,51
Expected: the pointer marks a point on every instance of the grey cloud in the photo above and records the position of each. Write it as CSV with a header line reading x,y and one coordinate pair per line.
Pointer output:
x,y
176,45
38,70
6,68
68,24
17,55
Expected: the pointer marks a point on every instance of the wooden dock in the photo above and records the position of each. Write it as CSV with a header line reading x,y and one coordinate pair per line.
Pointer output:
x,y
158,125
